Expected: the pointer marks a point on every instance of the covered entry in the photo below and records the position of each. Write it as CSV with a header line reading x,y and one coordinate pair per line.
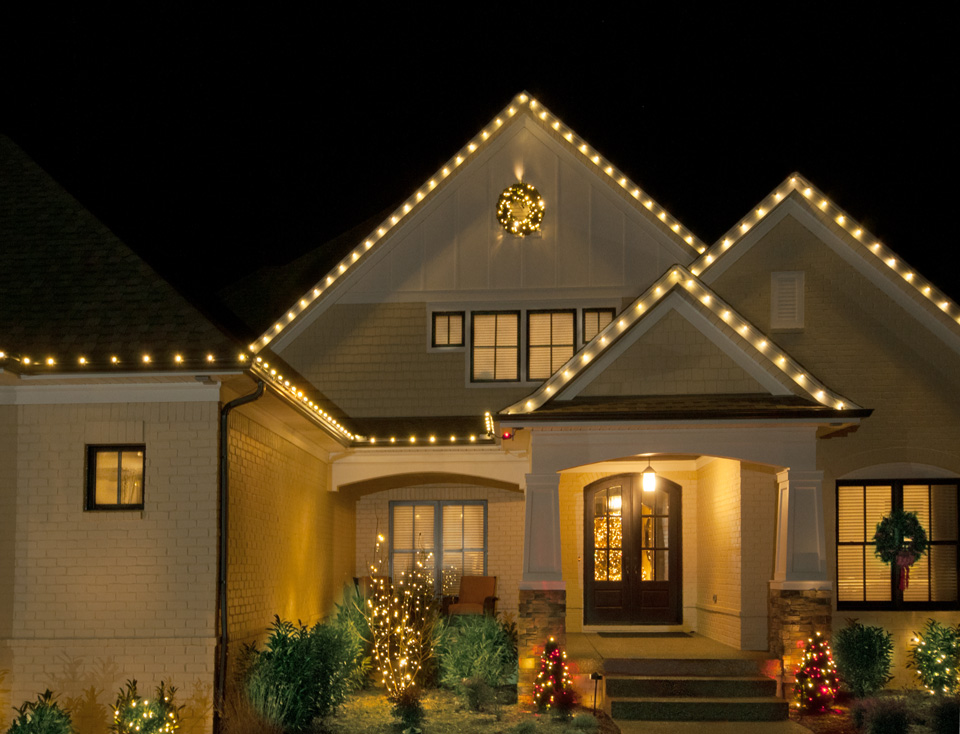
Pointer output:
x,y
632,552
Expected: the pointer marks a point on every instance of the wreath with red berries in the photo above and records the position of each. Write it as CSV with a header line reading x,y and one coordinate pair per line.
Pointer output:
x,y
900,538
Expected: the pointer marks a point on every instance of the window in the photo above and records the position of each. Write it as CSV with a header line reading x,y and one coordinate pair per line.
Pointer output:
x,y
496,346
115,477
549,342
447,329
450,536
863,580
594,319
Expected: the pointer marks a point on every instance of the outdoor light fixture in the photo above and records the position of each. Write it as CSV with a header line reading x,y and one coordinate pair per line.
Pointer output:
x,y
649,478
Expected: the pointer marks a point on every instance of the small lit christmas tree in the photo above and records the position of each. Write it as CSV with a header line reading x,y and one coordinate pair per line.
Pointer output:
x,y
553,688
816,676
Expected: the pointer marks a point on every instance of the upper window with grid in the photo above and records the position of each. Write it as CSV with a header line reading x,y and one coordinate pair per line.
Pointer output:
x,y
594,319
447,329
550,342
496,346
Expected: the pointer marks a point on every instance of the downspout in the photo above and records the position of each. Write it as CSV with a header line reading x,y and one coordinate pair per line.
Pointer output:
x,y
221,671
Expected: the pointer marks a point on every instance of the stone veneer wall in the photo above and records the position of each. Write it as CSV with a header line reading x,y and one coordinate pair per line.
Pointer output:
x,y
542,614
796,616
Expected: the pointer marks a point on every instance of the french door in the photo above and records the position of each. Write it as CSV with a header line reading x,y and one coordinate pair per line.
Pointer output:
x,y
632,552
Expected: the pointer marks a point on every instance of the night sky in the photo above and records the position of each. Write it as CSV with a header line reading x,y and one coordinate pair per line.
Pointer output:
x,y
213,141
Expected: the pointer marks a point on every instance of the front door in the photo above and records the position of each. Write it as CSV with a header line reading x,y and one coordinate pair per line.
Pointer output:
x,y
632,549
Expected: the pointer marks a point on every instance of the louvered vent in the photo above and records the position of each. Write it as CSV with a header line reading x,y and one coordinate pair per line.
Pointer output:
x,y
786,300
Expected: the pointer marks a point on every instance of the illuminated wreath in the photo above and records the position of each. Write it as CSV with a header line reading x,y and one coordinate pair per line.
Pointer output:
x,y
900,538
520,209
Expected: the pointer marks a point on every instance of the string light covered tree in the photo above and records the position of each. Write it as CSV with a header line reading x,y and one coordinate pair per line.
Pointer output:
x,y
816,676
553,688
401,619
133,714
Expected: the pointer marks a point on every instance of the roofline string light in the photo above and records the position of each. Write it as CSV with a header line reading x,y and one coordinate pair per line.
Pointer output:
x,y
679,277
523,100
433,439
83,363
839,218
296,395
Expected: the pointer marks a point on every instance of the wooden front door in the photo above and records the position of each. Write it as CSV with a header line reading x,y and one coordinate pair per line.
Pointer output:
x,y
632,552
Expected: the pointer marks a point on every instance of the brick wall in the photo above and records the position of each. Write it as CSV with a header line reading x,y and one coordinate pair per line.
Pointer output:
x,y
100,597
673,358
505,513
290,540
758,507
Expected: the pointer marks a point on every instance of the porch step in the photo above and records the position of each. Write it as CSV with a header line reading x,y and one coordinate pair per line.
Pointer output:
x,y
685,689
699,709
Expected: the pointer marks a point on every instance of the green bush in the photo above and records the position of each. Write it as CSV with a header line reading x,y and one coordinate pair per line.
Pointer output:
x,y
884,715
584,724
134,714
302,674
352,620
936,655
43,716
945,716
863,656
475,647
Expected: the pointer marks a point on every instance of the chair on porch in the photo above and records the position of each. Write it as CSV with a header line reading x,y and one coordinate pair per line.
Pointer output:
x,y
477,596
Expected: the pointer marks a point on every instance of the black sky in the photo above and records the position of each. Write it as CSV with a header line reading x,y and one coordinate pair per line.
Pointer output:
x,y
215,140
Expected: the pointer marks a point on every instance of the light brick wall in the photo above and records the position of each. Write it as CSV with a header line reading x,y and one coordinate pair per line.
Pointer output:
x,y
372,360
290,540
100,597
719,546
673,358
505,513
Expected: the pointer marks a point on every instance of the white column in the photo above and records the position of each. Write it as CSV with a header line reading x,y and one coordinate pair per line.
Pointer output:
x,y
541,540
801,561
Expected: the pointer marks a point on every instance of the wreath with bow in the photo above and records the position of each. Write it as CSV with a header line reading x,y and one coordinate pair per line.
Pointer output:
x,y
900,539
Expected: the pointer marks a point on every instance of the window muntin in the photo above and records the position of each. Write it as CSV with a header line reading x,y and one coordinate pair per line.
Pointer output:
x,y
459,526
594,319
496,346
550,342
115,477
447,329
863,580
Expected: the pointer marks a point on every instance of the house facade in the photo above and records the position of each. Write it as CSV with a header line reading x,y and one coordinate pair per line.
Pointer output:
x,y
530,370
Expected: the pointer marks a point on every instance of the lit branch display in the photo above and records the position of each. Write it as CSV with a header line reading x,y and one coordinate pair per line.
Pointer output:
x,y
553,688
816,677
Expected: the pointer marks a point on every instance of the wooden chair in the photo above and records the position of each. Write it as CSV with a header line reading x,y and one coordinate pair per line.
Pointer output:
x,y
477,596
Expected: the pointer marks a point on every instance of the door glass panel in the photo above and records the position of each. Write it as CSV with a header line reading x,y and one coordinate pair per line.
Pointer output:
x,y
616,558
662,532
615,504
600,566
600,532
660,565
661,501
616,532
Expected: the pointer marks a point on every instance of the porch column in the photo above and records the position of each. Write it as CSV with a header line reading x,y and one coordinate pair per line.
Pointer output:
x,y
543,598
800,593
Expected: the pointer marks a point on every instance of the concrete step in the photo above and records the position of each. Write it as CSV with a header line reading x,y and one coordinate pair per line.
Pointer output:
x,y
643,686
665,667
699,709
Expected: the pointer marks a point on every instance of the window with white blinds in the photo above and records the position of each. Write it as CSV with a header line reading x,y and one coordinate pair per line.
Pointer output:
x,y
447,329
550,338
863,580
459,526
594,319
496,346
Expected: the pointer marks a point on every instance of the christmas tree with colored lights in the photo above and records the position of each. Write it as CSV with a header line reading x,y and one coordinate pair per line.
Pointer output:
x,y
816,676
553,689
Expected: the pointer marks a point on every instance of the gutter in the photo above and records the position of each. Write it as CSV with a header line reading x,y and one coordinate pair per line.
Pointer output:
x,y
222,637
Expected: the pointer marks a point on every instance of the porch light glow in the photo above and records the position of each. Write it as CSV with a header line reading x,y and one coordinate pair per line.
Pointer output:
x,y
649,478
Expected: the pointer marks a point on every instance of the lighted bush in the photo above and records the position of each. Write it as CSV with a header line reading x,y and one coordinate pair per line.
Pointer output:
x,y
475,647
301,675
43,716
816,676
863,656
134,714
553,689
936,655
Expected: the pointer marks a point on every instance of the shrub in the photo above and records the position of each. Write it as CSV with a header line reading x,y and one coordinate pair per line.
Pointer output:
x,y
43,716
353,622
584,724
944,716
936,655
885,715
475,647
478,694
408,709
525,727
863,657
133,714
304,673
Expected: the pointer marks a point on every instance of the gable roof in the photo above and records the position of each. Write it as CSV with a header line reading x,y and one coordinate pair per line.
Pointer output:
x,y
755,345
75,297
523,106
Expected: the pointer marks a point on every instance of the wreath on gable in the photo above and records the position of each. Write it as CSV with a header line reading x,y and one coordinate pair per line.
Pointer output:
x,y
900,539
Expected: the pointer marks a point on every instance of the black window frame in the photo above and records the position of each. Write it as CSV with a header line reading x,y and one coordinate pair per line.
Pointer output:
x,y
583,321
573,344
433,329
896,601
473,346
90,491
